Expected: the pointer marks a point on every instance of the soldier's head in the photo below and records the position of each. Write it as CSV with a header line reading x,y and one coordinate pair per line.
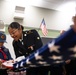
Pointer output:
x,y
15,30
74,19
2,38
62,32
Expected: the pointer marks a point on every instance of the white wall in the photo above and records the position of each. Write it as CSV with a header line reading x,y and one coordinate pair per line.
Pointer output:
x,y
33,15
9,45
55,20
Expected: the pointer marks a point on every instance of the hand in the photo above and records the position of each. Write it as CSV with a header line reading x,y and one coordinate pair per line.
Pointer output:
x,y
67,61
74,21
1,66
19,58
8,64
1,60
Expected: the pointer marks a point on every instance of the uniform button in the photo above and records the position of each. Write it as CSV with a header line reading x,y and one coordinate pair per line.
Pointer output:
x,y
38,38
26,53
25,35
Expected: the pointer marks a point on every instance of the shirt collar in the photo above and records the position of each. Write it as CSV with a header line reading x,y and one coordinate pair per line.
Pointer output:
x,y
21,38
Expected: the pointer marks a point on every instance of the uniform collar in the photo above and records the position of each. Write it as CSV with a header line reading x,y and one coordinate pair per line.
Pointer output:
x,y
21,38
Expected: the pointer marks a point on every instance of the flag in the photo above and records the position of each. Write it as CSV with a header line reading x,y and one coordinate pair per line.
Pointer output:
x,y
57,51
43,27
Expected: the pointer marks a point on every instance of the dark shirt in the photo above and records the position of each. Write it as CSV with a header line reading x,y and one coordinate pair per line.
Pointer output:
x,y
5,54
31,42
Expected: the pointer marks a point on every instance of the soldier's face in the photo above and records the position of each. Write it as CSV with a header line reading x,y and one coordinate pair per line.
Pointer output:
x,y
74,19
16,34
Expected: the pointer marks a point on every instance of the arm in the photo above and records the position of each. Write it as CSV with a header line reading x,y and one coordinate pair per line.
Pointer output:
x,y
15,47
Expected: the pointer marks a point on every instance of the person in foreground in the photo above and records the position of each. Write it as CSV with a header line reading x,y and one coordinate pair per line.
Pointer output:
x,y
4,54
70,65
25,43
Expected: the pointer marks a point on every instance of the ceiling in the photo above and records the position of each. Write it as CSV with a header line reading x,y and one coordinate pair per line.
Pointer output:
x,y
50,4
53,4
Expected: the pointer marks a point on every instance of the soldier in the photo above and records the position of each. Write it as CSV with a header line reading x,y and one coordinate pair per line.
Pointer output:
x,y
71,64
4,54
25,43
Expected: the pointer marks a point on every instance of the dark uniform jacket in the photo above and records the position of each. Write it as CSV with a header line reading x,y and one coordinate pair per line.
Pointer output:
x,y
4,53
31,42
